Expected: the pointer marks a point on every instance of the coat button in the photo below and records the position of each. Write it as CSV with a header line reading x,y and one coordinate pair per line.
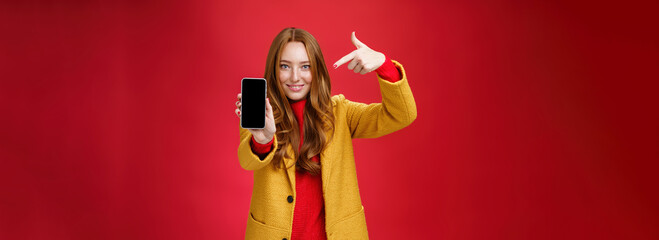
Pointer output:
x,y
290,199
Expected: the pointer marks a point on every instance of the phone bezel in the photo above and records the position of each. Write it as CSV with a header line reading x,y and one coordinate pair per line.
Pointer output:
x,y
241,100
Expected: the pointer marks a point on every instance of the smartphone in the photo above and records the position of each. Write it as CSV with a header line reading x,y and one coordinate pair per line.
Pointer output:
x,y
252,110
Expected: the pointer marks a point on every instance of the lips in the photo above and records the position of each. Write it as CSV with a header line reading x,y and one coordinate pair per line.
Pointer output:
x,y
295,87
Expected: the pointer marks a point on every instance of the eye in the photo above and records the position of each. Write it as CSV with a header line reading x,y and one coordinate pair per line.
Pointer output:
x,y
284,66
306,66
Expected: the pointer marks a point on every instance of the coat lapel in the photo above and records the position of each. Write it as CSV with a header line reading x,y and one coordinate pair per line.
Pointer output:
x,y
289,166
326,163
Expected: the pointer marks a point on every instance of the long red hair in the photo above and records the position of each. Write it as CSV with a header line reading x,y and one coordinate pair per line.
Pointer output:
x,y
318,116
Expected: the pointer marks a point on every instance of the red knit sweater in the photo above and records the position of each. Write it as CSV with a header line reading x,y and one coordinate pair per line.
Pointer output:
x,y
309,213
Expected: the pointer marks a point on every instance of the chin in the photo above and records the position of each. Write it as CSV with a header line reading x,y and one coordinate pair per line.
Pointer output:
x,y
296,97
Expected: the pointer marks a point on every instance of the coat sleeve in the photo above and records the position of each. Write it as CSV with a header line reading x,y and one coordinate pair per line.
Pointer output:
x,y
248,159
396,111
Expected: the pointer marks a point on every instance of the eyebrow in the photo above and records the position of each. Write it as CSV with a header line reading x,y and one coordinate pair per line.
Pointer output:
x,y
286,61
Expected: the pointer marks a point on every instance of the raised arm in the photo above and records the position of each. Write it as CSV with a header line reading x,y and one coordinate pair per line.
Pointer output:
x,y
397,109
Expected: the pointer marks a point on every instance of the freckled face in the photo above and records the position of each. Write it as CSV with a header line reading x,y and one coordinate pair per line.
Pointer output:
x,y
295,71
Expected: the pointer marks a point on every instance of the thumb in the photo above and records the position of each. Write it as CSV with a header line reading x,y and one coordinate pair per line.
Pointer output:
x,y
356,41
268,107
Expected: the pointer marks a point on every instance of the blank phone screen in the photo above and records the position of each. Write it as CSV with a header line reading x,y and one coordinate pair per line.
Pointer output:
x,y
253,103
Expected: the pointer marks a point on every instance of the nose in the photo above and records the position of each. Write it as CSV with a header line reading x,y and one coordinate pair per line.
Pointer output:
x,y
296,75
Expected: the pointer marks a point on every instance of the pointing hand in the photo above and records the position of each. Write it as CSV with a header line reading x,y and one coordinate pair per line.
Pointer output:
x,y
363,59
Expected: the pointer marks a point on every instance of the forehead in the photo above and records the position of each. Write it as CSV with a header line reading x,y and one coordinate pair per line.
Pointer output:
x,y
294,52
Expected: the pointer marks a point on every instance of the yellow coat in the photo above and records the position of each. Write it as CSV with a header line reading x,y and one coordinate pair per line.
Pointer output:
x,y
271,214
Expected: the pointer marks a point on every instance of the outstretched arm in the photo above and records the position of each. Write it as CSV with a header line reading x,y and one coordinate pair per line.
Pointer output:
x,y
398,108
255,149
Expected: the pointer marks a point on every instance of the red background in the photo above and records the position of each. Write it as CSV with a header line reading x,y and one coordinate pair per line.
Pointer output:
x,y
536,120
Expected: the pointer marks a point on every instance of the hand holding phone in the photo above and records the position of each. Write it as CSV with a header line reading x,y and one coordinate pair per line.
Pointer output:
x,y
254,110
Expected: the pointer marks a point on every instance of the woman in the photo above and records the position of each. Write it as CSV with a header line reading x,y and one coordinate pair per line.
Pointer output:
x,y
305,182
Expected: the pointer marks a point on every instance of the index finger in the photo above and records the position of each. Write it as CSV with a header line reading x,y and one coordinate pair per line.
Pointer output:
x,y
344,59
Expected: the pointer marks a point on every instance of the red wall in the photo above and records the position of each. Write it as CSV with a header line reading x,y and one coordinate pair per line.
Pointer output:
x,y
535,120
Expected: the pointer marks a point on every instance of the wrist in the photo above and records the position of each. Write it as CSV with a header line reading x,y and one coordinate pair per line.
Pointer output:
x,y
264,140
261,148
388,71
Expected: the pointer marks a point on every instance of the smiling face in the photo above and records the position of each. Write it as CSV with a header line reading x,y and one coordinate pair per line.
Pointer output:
x,y
295,71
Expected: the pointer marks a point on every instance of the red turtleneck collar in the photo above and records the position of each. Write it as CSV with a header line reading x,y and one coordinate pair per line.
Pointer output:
x,y
298,110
